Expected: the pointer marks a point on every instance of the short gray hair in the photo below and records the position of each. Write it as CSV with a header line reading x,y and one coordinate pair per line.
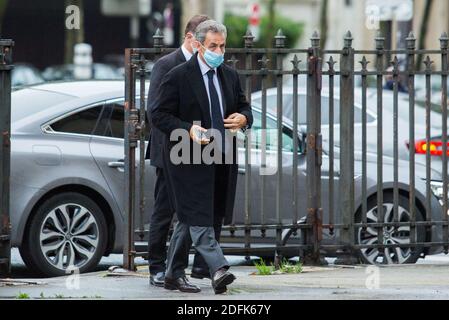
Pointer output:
x,y
209,26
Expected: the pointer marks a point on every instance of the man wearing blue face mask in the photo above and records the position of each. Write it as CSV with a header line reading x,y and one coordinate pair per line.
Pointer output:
x,y
163,211
211,100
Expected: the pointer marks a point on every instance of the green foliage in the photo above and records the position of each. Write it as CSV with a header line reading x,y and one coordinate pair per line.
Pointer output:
x,y
237,26
263,269
287,267
23,296
284,267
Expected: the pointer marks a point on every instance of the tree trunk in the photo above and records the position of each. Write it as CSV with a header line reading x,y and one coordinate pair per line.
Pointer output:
x,y
423,32
323,24
3,5
271,32
270,37
73,36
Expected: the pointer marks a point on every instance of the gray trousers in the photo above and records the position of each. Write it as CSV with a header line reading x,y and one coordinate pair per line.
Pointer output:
x,y
203,238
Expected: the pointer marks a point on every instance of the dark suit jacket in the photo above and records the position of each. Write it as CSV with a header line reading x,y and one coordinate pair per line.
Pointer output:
x,y
183,100
160,69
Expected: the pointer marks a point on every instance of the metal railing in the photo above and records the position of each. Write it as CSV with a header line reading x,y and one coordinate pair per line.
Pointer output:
x,y
335,211
5,153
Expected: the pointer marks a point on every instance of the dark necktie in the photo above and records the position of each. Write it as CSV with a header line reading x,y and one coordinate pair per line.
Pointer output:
x,y
217,117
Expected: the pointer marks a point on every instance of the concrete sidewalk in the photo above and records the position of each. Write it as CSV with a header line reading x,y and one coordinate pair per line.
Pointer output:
x,y
332,282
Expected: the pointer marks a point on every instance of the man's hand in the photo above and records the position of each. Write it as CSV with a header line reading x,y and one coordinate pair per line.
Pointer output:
x,y
235,121
195,134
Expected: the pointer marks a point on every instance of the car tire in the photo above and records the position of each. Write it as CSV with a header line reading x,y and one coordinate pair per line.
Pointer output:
x,y
67,233
393,235
287,236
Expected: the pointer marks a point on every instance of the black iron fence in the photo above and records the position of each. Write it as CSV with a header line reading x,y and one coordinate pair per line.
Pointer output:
x,y
360,167
5,151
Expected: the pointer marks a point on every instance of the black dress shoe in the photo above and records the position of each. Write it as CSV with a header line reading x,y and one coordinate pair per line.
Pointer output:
x,y
181,284
220,290
157,279
221,279
199,273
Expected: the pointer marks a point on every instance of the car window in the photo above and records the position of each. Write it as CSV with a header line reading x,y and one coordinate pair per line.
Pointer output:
x,y
112,123
287,106
271,136
115,122
82,122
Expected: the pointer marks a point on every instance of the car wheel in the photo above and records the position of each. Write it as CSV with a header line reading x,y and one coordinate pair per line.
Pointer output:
x,y
68,232
392,235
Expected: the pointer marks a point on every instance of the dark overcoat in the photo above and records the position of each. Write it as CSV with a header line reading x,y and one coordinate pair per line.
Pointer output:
x,y
160,69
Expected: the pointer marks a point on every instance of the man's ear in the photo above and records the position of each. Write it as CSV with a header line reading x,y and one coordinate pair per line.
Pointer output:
x,y
196,44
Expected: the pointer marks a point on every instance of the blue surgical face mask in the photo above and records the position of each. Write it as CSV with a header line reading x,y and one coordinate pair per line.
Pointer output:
x,y
214,60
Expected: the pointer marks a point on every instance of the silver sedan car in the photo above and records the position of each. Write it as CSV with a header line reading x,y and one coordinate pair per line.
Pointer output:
x,y
67,181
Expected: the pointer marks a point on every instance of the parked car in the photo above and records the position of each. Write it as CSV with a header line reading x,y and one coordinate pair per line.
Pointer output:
x,y
67,182
24,74
372,123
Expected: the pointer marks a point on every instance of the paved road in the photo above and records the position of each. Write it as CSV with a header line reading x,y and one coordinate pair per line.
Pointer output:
x,y
426,280
19,270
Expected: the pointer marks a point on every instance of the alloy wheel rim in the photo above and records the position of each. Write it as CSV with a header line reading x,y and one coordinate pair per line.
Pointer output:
x,y
69,236
392,235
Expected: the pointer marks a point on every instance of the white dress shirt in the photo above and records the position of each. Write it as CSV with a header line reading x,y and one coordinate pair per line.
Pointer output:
x,y
204,69
186,53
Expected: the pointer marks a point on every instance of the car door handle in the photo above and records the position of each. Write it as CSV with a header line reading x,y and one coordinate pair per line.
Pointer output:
x,y
116,164
242,170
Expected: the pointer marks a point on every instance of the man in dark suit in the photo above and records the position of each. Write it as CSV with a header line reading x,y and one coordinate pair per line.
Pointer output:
x,y
163,211
198,101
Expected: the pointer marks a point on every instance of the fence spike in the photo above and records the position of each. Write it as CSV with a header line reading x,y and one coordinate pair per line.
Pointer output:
x,y
348,39
279,39
279,33
411,40
315,39
428,64
295,62
249,39
331,62
158,38
380,41
264,61
233,60
364,62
